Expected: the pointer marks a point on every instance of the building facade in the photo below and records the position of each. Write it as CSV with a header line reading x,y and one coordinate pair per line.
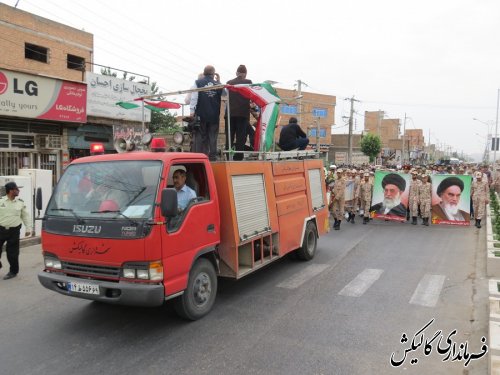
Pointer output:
x,y
387,129
44,59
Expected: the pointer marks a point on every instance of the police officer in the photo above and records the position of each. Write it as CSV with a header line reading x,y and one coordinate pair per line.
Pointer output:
x,y
13,213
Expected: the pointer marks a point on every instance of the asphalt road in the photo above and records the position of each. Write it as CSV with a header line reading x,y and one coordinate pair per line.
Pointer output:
x,y
344,312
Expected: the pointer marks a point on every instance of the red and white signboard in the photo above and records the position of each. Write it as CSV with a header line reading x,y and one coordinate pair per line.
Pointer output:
x,y
30,96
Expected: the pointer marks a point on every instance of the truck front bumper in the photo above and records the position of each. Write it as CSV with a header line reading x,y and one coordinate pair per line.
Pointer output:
x,y
121,293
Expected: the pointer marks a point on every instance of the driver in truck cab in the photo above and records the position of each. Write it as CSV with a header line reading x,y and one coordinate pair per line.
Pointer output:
x,y
184,192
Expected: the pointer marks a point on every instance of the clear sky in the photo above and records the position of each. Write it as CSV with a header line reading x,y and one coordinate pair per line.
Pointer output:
x,y
437,61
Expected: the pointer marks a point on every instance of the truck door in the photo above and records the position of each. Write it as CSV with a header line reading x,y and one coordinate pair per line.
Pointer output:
x,y
196,227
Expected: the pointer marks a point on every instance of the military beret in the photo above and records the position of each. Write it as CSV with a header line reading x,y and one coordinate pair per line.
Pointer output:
x,y
449,181
394,179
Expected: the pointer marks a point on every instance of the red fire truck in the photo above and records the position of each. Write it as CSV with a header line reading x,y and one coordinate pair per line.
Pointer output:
x,y
113,232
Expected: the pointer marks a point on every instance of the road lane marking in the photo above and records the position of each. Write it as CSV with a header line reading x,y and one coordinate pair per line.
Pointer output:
x,y
428,290
301,277
361,283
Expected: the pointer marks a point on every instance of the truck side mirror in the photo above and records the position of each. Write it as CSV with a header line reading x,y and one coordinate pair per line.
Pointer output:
x,y
39,200
168,204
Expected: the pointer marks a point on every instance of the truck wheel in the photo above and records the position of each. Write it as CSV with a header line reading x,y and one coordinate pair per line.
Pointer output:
x,y
199,296
308,249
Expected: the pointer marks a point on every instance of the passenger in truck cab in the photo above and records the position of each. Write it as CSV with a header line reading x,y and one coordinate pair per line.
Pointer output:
x,y
108,192
184,192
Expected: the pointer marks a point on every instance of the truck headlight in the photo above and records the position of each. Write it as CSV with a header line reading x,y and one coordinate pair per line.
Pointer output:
x,y
143,274
129,273
51,262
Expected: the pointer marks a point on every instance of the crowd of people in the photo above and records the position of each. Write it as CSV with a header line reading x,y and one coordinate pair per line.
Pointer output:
x,y
419,198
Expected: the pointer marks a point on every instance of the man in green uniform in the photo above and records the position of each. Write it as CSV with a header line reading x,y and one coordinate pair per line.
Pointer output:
x,y
13,213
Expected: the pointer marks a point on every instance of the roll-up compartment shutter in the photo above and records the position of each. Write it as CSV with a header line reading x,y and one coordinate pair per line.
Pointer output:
x,y
316,192
251,205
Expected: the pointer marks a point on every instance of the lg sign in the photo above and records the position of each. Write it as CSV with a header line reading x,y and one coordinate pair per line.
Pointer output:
x,y
3,83
30,87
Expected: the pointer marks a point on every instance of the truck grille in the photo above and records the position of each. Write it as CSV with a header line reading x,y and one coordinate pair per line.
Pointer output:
x,y
91,270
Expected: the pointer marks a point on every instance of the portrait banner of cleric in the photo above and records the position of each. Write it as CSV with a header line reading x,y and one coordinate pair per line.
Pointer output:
x,y
391,191
451,199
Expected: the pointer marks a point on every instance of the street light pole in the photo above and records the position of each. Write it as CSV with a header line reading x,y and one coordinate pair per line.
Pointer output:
x,y
496,138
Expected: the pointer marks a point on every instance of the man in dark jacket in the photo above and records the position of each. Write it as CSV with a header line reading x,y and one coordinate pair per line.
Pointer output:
x,y
239,114
292,136
206,106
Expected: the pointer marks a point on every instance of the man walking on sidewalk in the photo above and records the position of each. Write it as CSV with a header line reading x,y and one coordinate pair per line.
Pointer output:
x,y
13,213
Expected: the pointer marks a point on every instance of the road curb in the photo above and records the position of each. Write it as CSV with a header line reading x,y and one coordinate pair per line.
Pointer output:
x,y
30,241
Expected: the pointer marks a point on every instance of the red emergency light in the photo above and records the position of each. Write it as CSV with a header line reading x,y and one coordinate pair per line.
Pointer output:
x,y
96,149
158,145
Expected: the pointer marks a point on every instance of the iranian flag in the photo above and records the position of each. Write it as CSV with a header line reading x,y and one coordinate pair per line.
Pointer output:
x,y
153,105
265,96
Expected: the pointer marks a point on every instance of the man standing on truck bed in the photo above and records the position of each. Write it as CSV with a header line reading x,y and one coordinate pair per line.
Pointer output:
x,y
13,212
206,106
239,115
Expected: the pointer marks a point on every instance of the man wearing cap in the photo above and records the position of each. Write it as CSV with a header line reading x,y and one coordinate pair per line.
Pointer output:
x,y
184,192
449,191
479,194
338,198
394,185
365,195
239,115
13,213
292,136
205,105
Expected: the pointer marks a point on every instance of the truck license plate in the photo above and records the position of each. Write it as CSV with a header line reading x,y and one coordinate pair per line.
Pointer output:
x,y
85,288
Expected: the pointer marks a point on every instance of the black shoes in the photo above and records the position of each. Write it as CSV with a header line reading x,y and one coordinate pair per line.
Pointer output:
x,y
10,275
478,223
414,220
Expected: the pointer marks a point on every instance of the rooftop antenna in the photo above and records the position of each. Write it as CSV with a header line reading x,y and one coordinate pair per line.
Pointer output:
x,y
17,2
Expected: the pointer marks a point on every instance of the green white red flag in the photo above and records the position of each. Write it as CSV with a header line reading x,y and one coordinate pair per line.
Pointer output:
x,y
266,97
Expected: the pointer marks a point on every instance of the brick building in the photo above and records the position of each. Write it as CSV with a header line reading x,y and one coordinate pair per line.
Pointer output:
x,y
314,111
387,129
40,59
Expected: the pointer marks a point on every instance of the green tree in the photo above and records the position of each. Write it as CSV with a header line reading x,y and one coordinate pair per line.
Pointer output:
x,y
161,122
371,146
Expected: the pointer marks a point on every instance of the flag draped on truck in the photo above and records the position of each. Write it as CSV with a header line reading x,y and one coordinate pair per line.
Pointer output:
x,y
266,97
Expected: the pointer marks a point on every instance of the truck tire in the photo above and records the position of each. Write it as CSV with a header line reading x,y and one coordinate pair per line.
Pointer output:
x,y
199,296
308,249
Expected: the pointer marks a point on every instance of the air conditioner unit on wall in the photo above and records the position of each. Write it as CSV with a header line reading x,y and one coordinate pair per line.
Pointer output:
x,y
48,141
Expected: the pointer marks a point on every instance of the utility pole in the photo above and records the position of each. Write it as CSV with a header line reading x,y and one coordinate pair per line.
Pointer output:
x,y
349,139
379,124
299,95
496,138
404,141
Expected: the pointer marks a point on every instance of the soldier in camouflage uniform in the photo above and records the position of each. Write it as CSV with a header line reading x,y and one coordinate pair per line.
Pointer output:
x,y
413,197
338,197
425,198
355,202
479,193
365,196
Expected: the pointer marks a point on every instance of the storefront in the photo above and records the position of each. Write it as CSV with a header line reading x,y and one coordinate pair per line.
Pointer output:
x,y
35,114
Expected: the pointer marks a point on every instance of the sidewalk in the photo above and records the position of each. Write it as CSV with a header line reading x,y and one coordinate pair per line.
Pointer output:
x,y
30,241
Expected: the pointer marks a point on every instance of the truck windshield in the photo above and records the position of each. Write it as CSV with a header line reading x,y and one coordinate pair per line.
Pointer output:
x,y
118,189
